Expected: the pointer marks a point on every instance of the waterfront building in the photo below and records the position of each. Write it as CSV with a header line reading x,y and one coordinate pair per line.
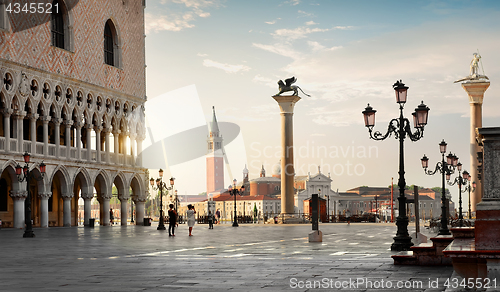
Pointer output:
x,y
72,95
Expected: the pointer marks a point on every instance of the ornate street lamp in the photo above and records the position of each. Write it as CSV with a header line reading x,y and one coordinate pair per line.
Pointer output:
x,y
24,174
401,128
160,185
233,191
470,188
461,180
446,168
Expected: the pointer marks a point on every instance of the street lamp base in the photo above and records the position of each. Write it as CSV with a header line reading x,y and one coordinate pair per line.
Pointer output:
x,y
444,232
29,233
401,243
235,224
161,227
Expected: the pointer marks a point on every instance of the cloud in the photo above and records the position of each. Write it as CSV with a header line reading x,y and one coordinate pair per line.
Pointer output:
x,y
305,14
311,23
280,49
201,55
264,80
293,2
304,31
180,15
317,47
226,67
155,23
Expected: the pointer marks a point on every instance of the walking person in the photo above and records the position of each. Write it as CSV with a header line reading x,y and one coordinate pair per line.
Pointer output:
x,y
217,216
172,220
111,216
190,218
210,220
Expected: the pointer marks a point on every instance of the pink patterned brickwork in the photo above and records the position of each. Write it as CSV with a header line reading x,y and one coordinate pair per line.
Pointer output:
x,y
31,46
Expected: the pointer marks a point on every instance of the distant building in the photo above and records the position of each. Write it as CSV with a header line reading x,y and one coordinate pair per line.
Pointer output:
x,y
215,158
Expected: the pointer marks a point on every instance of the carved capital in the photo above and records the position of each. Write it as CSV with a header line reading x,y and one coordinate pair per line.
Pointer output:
x,y
68,123
45,195
123,197
87,196
106,196
33,116
79,125
18,195
139,199
57,120
116,132
45,119
7,112
67,196
98,129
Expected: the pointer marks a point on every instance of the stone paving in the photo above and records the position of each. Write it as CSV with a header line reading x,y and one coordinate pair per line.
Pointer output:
x,y
353,257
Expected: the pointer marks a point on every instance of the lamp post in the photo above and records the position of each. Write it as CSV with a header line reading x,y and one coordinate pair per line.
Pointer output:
x,y
131,210
470,188
160,185
401,128
174,198
461,180
446,168
233,191
24,174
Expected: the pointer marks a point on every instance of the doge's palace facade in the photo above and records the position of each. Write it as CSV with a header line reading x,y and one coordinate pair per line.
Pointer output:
x,y
72,95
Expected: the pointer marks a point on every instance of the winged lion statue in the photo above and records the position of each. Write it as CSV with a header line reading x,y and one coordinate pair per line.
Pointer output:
x,y
287,86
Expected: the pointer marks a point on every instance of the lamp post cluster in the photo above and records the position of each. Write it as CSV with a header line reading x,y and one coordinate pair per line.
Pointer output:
x,y
233,191
461,180
401,128
24,174
160,185
446,168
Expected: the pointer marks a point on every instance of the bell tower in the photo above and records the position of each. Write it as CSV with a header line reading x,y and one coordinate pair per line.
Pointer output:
x,y
215,158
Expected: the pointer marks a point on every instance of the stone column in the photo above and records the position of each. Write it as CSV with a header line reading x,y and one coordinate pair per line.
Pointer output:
x,y
6,128
116,143
44,208
78,140
475,90
68,124
139,151
19,198
33,119
108,145
45,120
105,207
87,207
123,209
57,138
139,210
132,145
98,130
20,132
89,141
67,209
287,104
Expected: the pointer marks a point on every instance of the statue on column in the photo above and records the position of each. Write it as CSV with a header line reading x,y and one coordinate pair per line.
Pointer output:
x,y
474,70
287,86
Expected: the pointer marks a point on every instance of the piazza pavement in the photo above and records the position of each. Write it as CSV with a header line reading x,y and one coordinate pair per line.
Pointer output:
x,y
252,257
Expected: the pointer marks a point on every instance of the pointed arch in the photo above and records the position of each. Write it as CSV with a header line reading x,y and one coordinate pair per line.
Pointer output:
x,y
112,44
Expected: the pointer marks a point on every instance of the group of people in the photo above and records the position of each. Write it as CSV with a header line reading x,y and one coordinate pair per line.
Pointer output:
x,y
172,219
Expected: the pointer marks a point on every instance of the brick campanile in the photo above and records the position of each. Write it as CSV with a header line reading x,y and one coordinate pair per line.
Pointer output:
x,y
215,158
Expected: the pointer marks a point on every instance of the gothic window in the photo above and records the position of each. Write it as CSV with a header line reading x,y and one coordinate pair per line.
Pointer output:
x,y
57,25
4,18
108,46
111,45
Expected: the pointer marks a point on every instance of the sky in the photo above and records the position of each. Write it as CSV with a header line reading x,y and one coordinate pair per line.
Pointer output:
x,y
345,54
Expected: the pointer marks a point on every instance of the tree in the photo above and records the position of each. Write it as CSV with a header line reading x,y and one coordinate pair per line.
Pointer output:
x,y
202,194
440,190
